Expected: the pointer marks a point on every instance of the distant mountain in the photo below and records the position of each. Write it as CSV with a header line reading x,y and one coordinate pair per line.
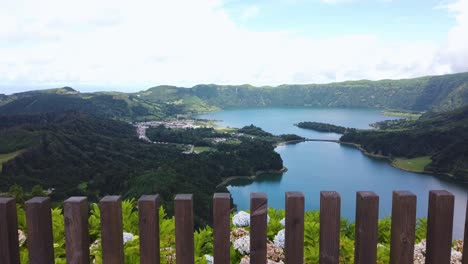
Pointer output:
x,y
435,93
441,136
438,93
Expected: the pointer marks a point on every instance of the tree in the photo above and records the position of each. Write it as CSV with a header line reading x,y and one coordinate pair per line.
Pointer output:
x,y
17,192
38,191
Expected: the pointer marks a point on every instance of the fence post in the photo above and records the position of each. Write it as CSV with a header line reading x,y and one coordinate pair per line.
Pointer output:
x,y
111,230
439,227
465,241
148,214
330,224
184,228
75,211
221,227
294,236
258,227
39,221
9,246
403,228
367,214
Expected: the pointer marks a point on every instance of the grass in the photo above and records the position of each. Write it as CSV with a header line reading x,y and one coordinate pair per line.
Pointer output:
x,y
416,164
202,149
412,116
8,156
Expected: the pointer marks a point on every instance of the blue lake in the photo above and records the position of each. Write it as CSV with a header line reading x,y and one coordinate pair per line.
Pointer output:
x,y
317,166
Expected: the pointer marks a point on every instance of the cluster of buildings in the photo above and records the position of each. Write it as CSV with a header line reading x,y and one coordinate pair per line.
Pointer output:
x,y
142,126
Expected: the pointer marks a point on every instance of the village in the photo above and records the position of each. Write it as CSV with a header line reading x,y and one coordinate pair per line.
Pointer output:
x,y
141,128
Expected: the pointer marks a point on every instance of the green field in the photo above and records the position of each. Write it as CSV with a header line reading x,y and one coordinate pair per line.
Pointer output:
x,y
202,149
8,156
409,115
416,164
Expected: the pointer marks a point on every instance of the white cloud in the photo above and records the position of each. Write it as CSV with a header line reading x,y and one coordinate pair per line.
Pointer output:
x,y
454,53
140,44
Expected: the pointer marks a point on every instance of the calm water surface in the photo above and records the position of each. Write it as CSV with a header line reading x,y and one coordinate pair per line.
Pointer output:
x,y
316,166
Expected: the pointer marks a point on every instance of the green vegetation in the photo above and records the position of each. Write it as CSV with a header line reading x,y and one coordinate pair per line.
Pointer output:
x,y
203,149
203,237
404,114
439,93
114,105
322,127
198,137
415,164
6,157
80,154
440,136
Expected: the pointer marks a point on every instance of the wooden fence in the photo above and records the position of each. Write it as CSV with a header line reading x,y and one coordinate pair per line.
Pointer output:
x,y
76,209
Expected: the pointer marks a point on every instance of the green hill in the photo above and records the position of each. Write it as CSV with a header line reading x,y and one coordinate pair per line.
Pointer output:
x,y
440,136
121,106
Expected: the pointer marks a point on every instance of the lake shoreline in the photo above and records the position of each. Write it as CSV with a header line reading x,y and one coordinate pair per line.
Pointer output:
x,y
391,163
227,180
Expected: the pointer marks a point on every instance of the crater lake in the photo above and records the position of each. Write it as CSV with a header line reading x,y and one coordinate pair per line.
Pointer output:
x,y
319,166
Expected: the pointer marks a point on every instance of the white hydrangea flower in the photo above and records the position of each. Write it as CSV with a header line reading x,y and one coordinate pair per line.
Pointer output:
x,y
456,257
280,238
420,252
242,245
21,237
209,259
242,218
283,222
127,237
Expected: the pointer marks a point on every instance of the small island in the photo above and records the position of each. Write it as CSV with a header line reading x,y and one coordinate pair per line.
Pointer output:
x,y
322,127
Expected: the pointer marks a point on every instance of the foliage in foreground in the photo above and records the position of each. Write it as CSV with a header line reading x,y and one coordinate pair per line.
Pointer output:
x,y
203,237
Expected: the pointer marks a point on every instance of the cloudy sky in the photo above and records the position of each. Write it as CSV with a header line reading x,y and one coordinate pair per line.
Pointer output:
x,y
132,45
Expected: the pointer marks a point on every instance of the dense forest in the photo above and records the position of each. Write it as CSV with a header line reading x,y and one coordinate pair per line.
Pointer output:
x,y
442,136
322,127
80,154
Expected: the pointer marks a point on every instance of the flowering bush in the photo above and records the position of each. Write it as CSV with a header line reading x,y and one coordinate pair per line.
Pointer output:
x,y
241,219
279,239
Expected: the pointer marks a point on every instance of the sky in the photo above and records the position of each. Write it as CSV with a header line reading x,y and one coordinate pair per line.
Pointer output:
x,y
130,46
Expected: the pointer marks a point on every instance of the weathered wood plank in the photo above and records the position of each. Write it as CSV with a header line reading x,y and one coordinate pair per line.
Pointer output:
x,y
258,227
39,233
330,223
367,214
111,230
148,212
439,227
294,227
9,246
75,210
403,227
184,228
221,226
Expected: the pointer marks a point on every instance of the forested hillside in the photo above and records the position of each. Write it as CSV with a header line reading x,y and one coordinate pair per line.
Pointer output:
x,y
80,154
438,93
119,106
441,136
